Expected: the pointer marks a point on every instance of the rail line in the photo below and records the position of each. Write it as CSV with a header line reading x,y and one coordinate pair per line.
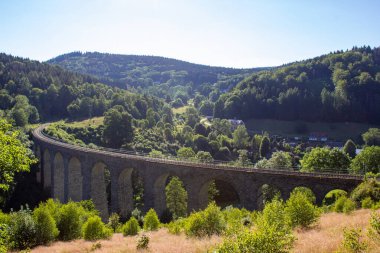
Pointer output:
x,y
39,134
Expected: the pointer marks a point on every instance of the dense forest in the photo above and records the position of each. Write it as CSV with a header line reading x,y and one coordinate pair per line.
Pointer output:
x,y
159,76
340,86
31,91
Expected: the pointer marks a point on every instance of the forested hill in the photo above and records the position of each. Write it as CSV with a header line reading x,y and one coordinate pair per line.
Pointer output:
x,y
154,75
31,91
340,86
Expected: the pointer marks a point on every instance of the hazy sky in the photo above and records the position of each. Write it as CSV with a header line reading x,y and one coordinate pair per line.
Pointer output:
x,y
233,33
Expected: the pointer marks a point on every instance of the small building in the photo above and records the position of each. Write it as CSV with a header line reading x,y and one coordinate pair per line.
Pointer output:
x,y
318,136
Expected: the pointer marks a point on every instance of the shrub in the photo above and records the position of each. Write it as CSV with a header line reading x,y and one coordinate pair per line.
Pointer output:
x,y
151,221
332,196
374,229
143,242
113,221
236,219
368,188
272,233
352,241
22,230
69,224
131,227
344,205
46,227
307,192
94,229
206,223
300,210
367,203
349,206
177,226
4,238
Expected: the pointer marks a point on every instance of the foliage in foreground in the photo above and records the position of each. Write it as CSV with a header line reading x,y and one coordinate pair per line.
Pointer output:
x,y
95,229
151,221
206,223
272,233
131,227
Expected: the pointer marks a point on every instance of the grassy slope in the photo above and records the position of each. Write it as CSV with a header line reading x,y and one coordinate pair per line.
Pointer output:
x,y
337,131
96,121
324,237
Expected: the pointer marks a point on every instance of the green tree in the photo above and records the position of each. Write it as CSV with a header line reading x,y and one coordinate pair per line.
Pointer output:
x,y
280,160
368,160
151,221
131,227
300,210
15,157
117,128
350,148
46,227
264,147
204,156
240,137
372,137
186,153
325,160
176,198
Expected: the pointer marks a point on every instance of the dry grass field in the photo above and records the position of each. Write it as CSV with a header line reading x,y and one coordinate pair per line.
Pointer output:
x,y
326,236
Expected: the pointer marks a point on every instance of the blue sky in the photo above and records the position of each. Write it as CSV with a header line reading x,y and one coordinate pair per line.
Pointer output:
x,y
214,32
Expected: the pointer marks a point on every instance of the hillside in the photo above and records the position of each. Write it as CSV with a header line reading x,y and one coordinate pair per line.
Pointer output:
x,y
31,91
154,75
336,87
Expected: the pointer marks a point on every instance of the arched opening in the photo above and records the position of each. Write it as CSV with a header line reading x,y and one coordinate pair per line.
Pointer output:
x,y
125,193
59,178
75,179
222,192
265,194
101,189
46,169
160,204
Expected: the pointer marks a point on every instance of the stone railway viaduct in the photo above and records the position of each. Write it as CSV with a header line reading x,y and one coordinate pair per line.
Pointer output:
x,y
77,173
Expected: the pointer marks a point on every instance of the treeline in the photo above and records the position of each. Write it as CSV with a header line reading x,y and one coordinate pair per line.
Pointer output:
x,y
31,91
159,76
340,86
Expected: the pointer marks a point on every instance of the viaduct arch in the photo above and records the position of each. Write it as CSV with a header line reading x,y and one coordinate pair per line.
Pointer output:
x,y
77,173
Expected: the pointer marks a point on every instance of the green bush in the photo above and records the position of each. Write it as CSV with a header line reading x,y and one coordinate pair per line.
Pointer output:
x,y
46,227
367,203
332,196
307,192
344,205
368,188
113,221
236,219
206,223
22,230
70,223
374,229
300,210
352,241
4,238
349,206
151,221
131,227
272,233
177,226
95,229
